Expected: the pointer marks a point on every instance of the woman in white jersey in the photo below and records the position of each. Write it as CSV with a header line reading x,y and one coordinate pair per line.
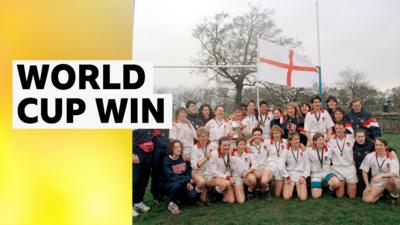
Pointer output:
x,y
250,121
343,164
217,127
183,130
297,169
226,172
265,119
199,160
276,149
258,148
320,157
318,120
247,159
384,167
235,125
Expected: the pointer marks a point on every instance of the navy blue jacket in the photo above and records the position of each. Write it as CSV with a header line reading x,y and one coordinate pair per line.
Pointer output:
x,y
176,171
140,136
358,121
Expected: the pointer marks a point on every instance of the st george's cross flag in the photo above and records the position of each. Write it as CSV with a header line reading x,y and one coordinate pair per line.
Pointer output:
x,y
280,65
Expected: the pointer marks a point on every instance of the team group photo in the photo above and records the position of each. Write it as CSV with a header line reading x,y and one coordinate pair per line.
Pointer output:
x,y
301,127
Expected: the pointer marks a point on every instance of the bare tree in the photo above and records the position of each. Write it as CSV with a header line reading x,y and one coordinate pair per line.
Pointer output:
x,y
355,83
233,40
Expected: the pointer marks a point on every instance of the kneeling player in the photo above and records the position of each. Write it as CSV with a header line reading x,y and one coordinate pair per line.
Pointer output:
x,y
384,167
320,157
341,146
226,171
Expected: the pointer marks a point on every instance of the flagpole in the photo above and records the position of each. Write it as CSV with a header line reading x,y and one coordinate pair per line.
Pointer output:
x,y
257,81
319,49
133,24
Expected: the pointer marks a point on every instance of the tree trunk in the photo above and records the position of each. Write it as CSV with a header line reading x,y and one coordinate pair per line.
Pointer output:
x,y
239,90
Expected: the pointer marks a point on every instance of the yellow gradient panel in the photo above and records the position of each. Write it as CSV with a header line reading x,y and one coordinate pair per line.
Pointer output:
x,y
63,176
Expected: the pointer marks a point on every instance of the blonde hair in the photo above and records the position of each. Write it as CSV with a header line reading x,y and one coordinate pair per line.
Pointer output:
x,y
296,109
275,128
201,131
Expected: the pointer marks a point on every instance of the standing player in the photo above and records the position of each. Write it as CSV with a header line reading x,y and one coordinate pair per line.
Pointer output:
x,y
183,131
304,109
265,119
291,119
250,121
235,124
331,103
161,141
205,114
217,127
142,153
192,114
362,119
318,120
278,118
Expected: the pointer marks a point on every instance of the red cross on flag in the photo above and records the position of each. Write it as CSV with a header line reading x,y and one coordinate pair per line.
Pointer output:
x,y
281,65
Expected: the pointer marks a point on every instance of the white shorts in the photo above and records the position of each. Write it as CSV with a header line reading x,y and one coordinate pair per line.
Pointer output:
x,y
200,172
379,183
237,180
346,173
295,176
277,170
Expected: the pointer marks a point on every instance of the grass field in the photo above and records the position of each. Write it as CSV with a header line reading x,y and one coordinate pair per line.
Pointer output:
x,y
327,210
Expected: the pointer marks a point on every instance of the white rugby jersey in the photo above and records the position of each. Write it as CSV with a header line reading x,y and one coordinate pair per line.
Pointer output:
x,y
276,151
320,161
246,158
183,132
250,122
198,153
259,154
225,166
216,129
379,165
342,150
314,124
265,121
296,161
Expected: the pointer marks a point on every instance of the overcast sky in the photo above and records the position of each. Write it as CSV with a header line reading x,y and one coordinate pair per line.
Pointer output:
x,y
361,34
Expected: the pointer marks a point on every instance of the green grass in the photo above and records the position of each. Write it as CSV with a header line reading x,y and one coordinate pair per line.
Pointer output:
x,y
327,210
394,140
